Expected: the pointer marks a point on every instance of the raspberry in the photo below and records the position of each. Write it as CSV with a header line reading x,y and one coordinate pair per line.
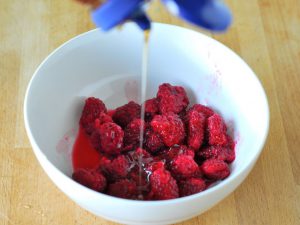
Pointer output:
x,y
115,169
90,178
183,167
140,177
142,152
108,138
230,155
139,156
215,169
126,113
153,142
123,189
138,160
155,166
217,152
138,172
170,127
195,129
191,186
92,109
151,109
178,150
96,140
206,111
103,118
216,130
128,148
171,99
182,115
104,164
230,143
163,185
111,112
132,133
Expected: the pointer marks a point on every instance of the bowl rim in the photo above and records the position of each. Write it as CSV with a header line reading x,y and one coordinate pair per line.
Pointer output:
x,y
209,191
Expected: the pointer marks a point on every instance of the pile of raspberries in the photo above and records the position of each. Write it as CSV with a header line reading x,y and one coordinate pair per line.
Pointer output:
x,y
184,150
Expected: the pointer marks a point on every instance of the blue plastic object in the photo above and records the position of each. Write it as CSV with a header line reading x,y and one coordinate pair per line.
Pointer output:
x,y
115,12
210,14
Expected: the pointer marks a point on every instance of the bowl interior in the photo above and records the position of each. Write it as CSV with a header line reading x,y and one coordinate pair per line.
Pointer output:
x,y
108,66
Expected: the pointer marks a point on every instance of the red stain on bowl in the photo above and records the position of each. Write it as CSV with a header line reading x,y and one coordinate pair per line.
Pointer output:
x,y
214,78
65,144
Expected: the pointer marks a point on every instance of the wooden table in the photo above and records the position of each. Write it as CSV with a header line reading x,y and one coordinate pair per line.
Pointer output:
x,y
266,33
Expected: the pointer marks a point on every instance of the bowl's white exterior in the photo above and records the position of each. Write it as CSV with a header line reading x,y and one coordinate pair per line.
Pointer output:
x,y
108,66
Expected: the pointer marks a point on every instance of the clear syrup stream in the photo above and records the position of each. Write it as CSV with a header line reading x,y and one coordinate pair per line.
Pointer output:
x,y
143,99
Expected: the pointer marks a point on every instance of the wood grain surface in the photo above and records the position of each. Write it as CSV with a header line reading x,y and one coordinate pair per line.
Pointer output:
x,y
266,33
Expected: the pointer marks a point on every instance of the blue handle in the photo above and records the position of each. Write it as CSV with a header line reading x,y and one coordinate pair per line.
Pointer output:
x,y
210,14
115,12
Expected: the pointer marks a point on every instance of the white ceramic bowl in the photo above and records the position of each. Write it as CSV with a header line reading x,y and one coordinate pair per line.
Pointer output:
x,y
108,66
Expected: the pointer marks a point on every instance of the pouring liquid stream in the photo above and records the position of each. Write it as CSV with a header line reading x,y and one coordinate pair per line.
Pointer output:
x,y
144,81
143,86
